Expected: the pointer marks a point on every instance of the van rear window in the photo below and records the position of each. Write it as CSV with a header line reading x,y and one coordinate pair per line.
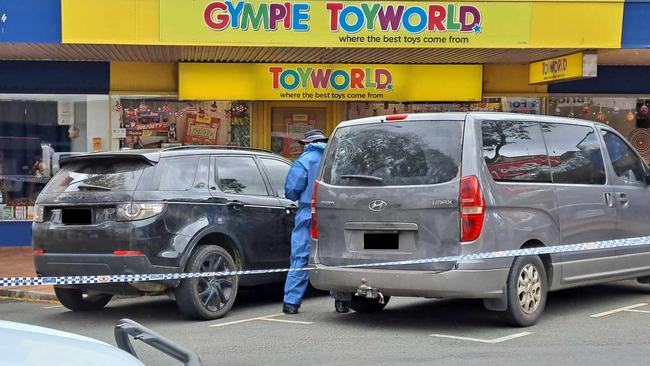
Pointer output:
x,y
394,154
98,175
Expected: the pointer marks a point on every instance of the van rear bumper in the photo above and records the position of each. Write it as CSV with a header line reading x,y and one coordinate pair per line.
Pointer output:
x,y
488,283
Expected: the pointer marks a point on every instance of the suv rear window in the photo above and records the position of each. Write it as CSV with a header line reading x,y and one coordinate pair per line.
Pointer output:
x,y
395,154
170,174
98,175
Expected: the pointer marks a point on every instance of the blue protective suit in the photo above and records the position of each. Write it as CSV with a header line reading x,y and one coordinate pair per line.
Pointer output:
x,y
298,187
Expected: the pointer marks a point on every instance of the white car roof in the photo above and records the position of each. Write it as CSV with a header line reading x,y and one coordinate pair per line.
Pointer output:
x,y
29,345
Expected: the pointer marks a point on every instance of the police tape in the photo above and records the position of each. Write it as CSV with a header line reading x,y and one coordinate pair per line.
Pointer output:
x,y
129,278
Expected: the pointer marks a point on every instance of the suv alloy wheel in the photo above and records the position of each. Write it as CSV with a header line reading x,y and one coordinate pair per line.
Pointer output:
x,y
208,297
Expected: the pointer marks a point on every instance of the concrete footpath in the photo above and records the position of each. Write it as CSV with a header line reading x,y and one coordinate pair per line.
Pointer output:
x,y
17,262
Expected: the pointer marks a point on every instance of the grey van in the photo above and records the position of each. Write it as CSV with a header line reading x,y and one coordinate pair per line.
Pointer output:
x,y
416,186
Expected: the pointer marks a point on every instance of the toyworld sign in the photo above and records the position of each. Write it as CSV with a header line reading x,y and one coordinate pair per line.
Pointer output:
x,y
570,67
345,23
329,82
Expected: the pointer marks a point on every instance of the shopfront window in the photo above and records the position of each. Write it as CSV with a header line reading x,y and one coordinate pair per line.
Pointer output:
x,y
628,115
528,105
159,122
36,132
288,126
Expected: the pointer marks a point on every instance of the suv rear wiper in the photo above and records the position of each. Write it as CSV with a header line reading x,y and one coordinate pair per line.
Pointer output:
x,y
361,176
93,186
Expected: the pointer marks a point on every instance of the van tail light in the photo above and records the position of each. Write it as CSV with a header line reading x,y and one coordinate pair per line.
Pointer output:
x,y
314,216
39,252
472,208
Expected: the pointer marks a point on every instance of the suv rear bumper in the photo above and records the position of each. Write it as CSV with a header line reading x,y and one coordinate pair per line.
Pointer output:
x,y
50,265
488,283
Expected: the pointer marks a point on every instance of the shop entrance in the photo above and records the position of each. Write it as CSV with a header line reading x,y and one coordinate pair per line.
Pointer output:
x,y
290,121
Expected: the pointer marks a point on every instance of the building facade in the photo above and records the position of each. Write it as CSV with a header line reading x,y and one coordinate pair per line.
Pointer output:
x,y
91,75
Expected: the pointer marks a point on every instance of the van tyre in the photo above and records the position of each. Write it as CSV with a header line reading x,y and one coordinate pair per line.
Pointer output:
x,y
526,291
208,298
366,305
76,300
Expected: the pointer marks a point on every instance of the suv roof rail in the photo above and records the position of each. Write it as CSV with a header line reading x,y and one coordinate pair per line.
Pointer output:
x,y
225,147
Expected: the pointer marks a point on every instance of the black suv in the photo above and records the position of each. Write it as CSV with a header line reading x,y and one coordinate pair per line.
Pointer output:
x,y
185,209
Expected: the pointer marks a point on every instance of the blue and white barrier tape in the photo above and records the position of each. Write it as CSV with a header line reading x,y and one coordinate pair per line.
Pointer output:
x,y
83,280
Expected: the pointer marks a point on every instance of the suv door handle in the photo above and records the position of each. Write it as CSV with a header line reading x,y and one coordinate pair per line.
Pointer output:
x,y
235,204
608,199
292,209
622,199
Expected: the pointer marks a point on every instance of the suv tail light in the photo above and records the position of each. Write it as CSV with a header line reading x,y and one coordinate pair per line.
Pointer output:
x,y
138,211
396,117
314,216
472,208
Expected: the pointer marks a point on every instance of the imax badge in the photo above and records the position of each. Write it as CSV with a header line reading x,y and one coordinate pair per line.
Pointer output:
x,y
377,205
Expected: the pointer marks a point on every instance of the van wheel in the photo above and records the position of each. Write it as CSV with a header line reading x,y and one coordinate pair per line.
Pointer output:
x,y
366,305
76,300
208,297
526,291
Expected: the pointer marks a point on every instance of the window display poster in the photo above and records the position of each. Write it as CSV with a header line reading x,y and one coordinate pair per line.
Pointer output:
x,y
65,113
201,129
8,213
296,128
119,133
521,105
97,144
21,213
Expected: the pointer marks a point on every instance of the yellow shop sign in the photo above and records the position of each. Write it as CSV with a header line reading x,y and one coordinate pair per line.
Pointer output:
x,y
575,66
345,23
205,81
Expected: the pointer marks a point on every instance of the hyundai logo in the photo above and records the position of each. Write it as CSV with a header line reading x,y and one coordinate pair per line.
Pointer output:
x,y
377,205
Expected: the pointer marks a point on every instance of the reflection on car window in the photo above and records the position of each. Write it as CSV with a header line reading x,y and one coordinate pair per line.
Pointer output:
x,y
515,151
240,175
178,174
98,174
403,153
278,171
574,153
626,163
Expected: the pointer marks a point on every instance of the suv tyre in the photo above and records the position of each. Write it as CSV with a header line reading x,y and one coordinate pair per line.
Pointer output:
x,y
204,297
366,305
526,291
77,300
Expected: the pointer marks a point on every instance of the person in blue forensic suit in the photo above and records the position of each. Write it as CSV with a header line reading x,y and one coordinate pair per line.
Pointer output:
x,y
298,187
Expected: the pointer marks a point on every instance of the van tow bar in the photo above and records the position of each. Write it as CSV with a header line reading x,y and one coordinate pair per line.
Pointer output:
x,y
369,292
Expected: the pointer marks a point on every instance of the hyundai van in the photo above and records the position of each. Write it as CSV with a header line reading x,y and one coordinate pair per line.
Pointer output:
x,y
418,186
